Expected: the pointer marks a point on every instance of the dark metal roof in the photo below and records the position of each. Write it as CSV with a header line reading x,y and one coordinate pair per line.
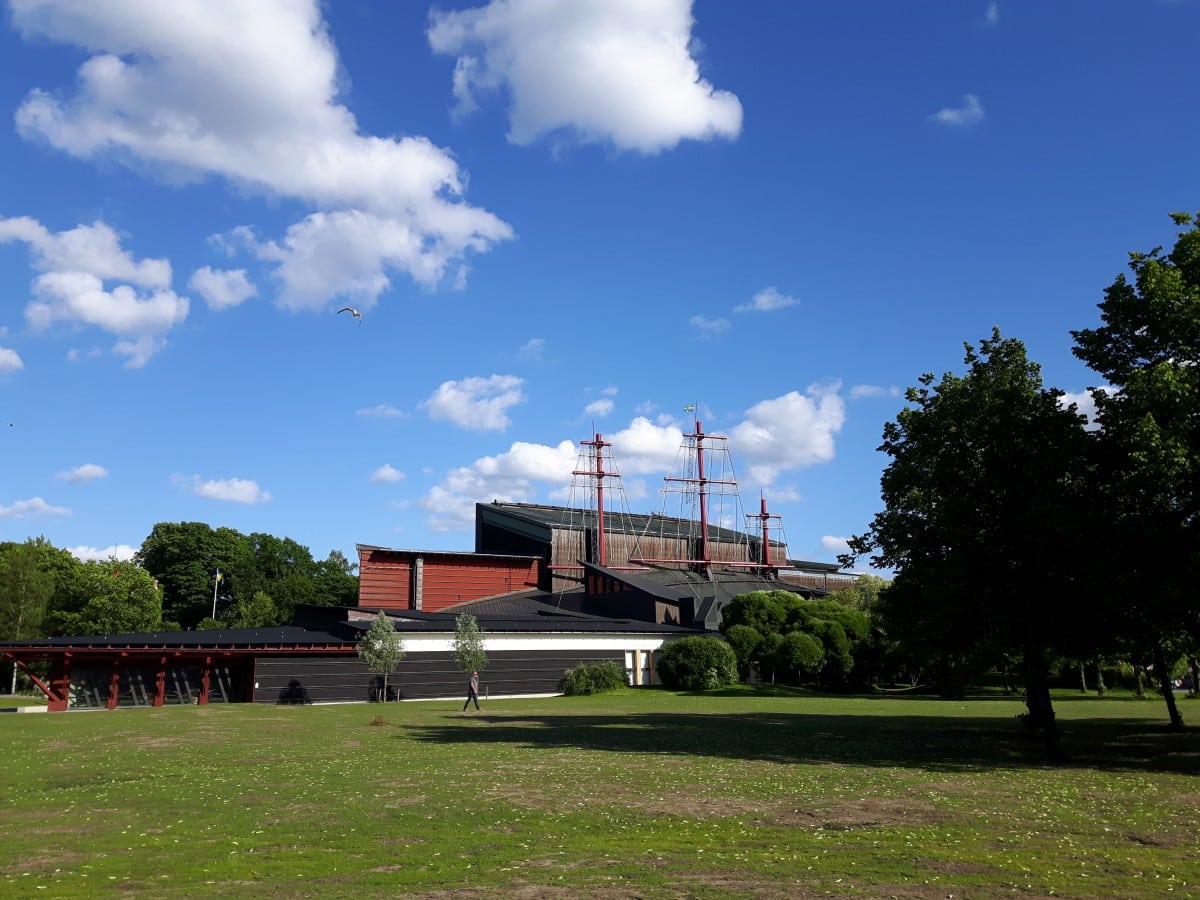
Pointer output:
x,y
619,522
287,635
674,584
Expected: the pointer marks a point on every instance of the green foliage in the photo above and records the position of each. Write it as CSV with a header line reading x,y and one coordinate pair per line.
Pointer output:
x,y
381,648
800,652
185,557
985,517
745,641
593,678
862,595
697,663
25,590
112,597
469,654
257,612
1148,480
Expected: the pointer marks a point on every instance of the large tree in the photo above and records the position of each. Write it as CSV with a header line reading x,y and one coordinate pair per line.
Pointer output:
x,y
1148,351
25,591
981,514
111,597
185,557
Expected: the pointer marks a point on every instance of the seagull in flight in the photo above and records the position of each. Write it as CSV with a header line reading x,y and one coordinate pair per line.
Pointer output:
x,y
354,312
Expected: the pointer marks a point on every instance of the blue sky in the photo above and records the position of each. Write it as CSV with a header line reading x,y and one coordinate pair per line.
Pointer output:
x,y
554,217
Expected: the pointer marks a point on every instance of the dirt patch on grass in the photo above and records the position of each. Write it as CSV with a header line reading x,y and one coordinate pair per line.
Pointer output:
x,y
868,812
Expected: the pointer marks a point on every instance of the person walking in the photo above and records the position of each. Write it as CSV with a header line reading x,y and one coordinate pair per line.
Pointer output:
x,y
472,691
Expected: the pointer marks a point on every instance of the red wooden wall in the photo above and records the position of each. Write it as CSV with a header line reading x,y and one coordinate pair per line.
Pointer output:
x,y
387,578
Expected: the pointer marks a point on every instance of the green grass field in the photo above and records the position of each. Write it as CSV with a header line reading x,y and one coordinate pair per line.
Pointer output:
x,y
640,794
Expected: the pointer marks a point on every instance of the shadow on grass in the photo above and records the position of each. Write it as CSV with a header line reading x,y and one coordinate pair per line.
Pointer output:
x,y
926,742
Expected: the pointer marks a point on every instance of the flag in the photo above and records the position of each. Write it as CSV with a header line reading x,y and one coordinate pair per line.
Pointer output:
x,y
219,575
689,408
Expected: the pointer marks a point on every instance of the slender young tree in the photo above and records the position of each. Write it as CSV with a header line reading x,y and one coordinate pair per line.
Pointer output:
x,y
381,648
469,654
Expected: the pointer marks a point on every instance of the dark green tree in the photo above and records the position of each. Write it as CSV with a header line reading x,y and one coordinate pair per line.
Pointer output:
x,y
185,557
336,584
1148,351
382,649
982,521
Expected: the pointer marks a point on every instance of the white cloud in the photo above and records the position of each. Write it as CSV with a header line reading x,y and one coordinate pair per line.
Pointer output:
x,y
596,71
970,113
380,411
83,474
789,432
599,408
10,361
991,15
532,350
831,544
709,327
767,300
222,288
75,264
34,507
249,92
480,404
1085,404
94,248
873,390
123,552
386,474
510,476
234,490
644,447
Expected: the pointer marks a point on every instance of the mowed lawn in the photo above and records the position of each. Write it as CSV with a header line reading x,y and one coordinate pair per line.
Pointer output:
x,y
645,793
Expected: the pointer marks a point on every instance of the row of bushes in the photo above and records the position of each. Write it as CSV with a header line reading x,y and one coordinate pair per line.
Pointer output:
x,y
691,664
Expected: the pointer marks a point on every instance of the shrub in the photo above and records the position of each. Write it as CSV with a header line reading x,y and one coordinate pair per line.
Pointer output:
x,y
697,664
593,678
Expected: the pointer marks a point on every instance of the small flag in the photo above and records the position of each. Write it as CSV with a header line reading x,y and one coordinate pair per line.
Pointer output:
x,y
219,575
690,408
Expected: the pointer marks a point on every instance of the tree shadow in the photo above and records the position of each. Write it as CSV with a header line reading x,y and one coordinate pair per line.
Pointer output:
x,y
926,742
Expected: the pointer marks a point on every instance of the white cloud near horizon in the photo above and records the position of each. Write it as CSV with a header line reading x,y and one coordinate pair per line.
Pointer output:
x,y
122,552
478,404
10,361
386,474
789,432
832,544
592,71
232,490
249,92
970,113
75,266
222,288
768,299
34,507
511,476
83,474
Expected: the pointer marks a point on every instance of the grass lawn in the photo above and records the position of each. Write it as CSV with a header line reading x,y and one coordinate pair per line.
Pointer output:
x,y
639,794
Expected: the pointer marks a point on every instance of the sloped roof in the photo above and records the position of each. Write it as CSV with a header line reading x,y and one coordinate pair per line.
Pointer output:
x,y
674,584
621,523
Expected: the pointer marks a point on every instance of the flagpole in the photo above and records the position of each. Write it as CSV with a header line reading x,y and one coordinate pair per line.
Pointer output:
x,y
216,581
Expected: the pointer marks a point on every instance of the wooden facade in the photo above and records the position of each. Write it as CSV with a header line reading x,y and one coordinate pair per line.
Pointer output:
x,y
432,581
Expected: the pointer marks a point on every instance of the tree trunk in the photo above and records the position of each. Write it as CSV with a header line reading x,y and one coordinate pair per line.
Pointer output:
x,y
1101,687
1167,689
1082,678
1037,701
1139,681
1194,669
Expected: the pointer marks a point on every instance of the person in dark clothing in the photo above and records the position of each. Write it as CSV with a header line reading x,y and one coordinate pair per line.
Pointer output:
x,y
472,691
